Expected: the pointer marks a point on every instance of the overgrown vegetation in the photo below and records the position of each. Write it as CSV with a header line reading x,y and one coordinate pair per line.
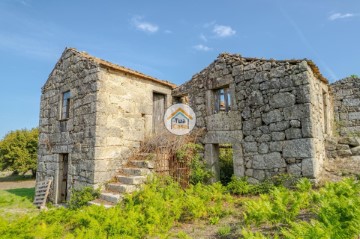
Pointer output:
x,y
81,197
18,151
301,211
190,154
331,212
152,211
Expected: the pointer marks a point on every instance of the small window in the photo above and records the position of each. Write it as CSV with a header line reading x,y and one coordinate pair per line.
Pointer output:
x,y
181,99
222,100
65,108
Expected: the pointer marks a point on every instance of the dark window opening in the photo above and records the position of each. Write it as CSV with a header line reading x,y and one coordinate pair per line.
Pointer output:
x,y
181,99
63,178
222,100
325,111
65,108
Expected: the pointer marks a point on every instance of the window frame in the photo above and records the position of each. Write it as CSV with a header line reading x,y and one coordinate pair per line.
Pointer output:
x,y
219,93
65,105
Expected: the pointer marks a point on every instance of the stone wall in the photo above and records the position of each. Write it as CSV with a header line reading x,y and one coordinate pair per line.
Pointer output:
x,y
111,109
74,73
276,119
346,94
124,119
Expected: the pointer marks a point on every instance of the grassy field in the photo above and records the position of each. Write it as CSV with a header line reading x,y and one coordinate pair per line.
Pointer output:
x,y
17,202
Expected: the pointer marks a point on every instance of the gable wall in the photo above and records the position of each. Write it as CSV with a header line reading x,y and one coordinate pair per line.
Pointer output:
x,y
78,140
274,124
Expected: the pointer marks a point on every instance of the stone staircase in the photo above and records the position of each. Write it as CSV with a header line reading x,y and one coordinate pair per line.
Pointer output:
x,y
129,179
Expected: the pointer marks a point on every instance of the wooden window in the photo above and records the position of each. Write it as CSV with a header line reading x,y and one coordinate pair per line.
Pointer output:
x,y
65,108
222,100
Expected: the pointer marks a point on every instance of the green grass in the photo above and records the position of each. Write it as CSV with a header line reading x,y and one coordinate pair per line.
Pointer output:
x,y
15,203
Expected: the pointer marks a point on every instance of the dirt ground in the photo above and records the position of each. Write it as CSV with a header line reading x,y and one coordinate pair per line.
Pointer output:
x,y
18,184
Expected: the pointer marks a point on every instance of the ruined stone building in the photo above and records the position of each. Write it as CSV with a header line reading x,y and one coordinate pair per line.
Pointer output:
x,y
276,115
92,114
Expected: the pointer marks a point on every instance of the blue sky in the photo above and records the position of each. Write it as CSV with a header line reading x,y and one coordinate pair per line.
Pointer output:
x,y
170,40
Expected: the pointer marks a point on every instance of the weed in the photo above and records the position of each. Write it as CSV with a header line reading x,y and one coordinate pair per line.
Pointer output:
x,y
224,231
81,197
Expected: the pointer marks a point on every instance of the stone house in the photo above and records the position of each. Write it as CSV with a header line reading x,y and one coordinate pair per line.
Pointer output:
x,y
276,115
93,114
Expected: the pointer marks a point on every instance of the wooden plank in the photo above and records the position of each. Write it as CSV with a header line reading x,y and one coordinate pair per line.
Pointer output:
x,y
42,192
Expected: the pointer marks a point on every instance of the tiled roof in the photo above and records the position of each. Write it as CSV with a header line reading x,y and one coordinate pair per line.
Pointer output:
x,y
106,64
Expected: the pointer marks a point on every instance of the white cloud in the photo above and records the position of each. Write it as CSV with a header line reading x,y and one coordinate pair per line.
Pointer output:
x,y
144,26
203,37
202,47
223,31
168,32
337,15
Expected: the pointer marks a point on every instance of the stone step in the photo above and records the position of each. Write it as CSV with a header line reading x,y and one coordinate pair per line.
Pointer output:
x,y
142,164
132,180
100,202
136,171
145,156
112,197
121,188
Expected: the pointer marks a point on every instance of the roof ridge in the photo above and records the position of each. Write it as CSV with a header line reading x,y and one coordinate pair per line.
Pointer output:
x,y
108,64
310,63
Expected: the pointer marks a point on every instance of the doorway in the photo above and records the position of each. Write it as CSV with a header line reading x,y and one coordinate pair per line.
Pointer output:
x,y
226,163
63,177
158,112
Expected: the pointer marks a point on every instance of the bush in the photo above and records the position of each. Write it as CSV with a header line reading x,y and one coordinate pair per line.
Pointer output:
x,y
81,197
190,154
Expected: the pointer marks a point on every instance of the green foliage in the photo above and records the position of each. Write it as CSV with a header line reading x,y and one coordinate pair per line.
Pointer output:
x,y
354,76
18,151
224,231
183,235
331,212
248,234
190,154
147,213
241,186
81,197
226,164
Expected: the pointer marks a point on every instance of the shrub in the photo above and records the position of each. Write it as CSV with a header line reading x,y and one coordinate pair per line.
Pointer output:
x,y
81,197
190,154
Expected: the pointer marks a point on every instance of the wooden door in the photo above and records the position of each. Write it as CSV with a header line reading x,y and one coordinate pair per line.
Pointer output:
x,y
63,177
158,112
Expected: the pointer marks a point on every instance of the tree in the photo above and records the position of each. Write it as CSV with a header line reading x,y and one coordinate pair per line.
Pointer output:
x,y
18,151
